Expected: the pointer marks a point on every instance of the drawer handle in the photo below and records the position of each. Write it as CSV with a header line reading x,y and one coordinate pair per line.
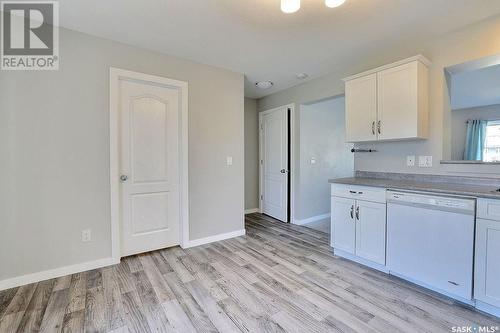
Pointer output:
x,y
354,192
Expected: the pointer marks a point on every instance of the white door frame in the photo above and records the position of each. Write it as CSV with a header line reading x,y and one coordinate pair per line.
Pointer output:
x,y
291,158
115,75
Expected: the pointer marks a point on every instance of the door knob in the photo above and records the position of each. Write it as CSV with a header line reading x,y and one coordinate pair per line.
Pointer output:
x,y
283,171
123,178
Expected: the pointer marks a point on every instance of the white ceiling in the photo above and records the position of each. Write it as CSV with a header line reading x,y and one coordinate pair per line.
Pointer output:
x,y
255,38
475,88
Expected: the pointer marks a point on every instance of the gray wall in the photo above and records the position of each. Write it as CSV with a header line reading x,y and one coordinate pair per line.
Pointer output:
x,y
251,154
459,127
54,144
473,42
322,128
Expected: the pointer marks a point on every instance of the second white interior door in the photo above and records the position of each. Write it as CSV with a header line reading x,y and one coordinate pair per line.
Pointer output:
x,y
274,163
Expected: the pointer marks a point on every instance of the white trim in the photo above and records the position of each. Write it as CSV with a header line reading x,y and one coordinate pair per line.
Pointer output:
x,y
292,144
419,57
488,308
216,238
360,260
55,273
252,210
312,219
291,157
430,287
115,74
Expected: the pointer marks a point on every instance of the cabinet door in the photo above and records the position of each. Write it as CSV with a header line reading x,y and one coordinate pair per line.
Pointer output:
x,y
370,231
343,234
397,102
487,268
361,108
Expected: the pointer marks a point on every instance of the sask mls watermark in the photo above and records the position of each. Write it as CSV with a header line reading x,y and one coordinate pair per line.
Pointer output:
x,y
30,35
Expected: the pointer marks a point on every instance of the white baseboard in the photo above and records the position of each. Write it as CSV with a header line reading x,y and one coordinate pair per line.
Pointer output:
x,y
311,219
216,238
252,210
55,273
490,309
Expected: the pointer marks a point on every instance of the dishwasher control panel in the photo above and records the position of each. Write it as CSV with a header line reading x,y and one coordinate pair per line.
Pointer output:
x,y
432,200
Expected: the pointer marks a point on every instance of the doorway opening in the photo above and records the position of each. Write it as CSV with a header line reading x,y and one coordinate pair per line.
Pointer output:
x,y
323,154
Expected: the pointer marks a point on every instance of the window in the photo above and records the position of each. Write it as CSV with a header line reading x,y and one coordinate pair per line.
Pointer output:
x,y
492,143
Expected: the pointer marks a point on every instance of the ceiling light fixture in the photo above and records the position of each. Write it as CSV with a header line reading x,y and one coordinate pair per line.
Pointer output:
x,y
264,85
334,3
290,6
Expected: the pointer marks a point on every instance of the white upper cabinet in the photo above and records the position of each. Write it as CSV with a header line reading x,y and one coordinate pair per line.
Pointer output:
x,y
389,102
361,101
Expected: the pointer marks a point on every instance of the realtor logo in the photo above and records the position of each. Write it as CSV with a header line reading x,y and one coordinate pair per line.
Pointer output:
x,y
30,36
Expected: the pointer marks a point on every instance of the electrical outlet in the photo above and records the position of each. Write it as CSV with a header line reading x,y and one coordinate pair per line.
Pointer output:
x,y
425,161
229,160
86,235
410,160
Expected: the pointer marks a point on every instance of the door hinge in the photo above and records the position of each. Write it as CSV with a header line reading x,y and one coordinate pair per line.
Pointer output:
x,y
261,197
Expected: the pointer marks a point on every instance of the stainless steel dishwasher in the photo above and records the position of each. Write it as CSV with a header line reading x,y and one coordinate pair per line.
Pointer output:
x,y
430,241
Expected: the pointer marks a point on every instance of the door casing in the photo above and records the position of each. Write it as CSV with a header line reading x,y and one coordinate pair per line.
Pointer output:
x,y
115,75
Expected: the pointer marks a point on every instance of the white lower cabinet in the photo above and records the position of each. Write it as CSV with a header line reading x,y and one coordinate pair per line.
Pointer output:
x,y
359,231
487,268
343,236
370,231
359,226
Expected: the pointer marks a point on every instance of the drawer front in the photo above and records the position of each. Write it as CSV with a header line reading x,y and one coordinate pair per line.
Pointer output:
x,y
488,209
374,194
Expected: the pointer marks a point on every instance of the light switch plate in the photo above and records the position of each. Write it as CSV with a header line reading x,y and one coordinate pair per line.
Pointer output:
x,y
410,160
425,161
229,160
313,160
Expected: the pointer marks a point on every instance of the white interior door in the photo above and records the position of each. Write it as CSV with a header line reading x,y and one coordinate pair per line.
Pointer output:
x,y
274,163
149,138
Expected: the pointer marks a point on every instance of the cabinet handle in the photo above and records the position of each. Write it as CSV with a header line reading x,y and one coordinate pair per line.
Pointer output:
x,y
357,213
379,127
352,211
373,127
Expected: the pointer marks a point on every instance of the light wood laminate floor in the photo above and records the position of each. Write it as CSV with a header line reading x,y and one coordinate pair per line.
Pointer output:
x,y
322,225
278,278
